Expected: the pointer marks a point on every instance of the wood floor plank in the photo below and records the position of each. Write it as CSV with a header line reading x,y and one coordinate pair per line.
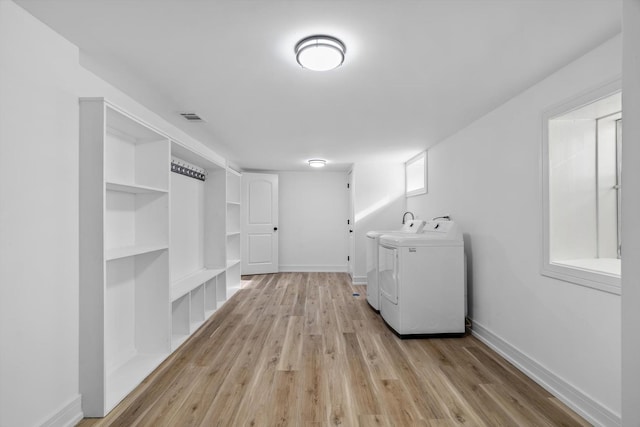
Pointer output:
x,y
171,399
458,406
315,402
465,378
361,385
519,412
207,387
286,401
291,356
429,406
397,404
377,359
525,388
299,349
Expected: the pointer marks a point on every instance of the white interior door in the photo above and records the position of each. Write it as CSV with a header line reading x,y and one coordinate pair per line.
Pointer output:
x,y
259,223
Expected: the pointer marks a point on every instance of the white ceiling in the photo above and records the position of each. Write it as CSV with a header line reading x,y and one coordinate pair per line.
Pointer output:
x,y
415,71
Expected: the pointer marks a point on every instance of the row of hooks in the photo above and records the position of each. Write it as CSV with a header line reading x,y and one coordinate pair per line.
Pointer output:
x,y
187,170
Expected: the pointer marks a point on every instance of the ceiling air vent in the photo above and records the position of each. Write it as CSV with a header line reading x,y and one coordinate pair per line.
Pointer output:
x,y
191,117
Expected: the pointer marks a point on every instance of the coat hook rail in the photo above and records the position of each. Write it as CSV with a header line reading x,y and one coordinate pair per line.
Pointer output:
x,y
187,170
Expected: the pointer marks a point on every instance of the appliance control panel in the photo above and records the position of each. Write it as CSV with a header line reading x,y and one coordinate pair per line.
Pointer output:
x,y
413,226
438,226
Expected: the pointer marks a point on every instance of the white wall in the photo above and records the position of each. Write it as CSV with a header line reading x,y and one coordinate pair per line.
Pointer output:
x,y
38,221
40,82
313,209
631,216
379,202
487,176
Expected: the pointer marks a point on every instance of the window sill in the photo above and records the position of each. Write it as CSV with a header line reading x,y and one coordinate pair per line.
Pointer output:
x,y
599,274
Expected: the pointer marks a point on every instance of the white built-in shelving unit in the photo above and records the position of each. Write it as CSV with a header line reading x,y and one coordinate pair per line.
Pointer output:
x,y
233,230
158,250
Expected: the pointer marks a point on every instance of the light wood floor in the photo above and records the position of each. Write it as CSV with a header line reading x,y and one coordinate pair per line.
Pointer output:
x,y
298,349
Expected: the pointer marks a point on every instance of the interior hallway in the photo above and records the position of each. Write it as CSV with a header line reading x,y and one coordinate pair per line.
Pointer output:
x,y
300,349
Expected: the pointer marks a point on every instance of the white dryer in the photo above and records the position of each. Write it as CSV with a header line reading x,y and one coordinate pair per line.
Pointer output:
x,y
373,237
421,279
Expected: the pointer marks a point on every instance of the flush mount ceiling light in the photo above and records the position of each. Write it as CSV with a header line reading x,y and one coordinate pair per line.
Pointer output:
x,y
317,163
320,53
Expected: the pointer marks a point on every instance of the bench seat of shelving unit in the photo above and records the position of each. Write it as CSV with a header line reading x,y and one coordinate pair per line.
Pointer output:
x,y
192,281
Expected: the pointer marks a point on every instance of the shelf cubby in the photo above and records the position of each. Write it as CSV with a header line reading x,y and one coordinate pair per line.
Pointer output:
x,y
233,218
133,309
180,324
233,246
197,307
135,220
134,154
210,298
233,186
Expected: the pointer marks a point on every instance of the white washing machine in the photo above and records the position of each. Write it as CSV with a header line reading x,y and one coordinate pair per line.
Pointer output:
x,y
373,237
422,283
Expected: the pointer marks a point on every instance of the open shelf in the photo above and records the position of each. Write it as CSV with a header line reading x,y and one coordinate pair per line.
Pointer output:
x,y
233,186
127,251
233,218
233,247
210,299
135,154
233,277
135,222
180,321
133,189
134,308
128,375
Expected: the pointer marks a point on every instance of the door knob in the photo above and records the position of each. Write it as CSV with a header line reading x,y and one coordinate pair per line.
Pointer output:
x,y
275,228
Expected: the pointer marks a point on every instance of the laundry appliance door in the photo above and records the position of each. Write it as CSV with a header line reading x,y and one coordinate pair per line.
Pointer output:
x,y
388,273
373,291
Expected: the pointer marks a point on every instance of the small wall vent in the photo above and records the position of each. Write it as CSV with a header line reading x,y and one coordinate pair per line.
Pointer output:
x,y
191,117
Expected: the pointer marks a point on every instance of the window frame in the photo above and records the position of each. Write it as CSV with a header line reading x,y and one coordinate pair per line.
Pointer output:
x,y
407,164
596,280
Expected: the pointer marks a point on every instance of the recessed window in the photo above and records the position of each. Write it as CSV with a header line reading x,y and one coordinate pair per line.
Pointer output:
x,y
416,175
581,173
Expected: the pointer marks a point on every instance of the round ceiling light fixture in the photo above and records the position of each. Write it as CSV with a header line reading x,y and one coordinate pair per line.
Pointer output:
x,y
317,163
320,53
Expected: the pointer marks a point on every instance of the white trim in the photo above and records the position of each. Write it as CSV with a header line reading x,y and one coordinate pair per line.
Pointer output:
x,y
588,408
313,268
359,280
600,281
68,416
421,190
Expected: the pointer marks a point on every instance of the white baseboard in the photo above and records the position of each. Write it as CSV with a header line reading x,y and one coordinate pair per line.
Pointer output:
x,y
359,280
68,416
313,268
588,408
